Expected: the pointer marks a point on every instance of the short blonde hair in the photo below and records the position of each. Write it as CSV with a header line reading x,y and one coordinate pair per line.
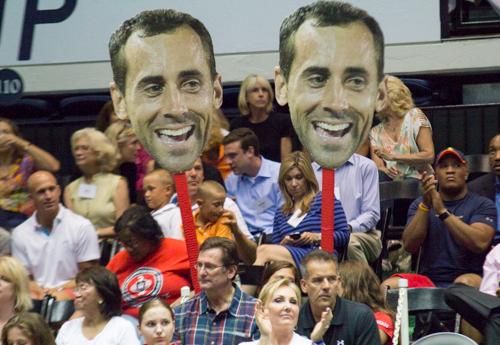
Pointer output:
x,y
398,96
118,133
247,84
271,287
100,144
11,270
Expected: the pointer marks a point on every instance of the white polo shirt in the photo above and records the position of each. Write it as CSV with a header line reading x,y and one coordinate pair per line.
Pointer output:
x,y
170,220
52,256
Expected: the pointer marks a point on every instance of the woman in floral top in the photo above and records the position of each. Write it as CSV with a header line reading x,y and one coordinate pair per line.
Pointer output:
x,y
401,145
18,160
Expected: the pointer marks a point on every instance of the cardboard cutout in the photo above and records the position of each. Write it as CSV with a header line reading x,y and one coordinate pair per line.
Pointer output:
x,y
165,83
330,74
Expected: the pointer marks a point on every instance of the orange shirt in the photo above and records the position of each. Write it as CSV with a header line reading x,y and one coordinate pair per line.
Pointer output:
x,y
211,229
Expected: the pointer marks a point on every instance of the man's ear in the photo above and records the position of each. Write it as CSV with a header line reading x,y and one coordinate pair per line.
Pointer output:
x,y
381,96
280,87
199,202
118,101
303,286
218,91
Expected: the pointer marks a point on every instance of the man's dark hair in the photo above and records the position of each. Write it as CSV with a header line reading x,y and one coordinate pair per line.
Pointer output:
x,y
316,255
228,248
327,13
246,137
139,221
106,285
152,23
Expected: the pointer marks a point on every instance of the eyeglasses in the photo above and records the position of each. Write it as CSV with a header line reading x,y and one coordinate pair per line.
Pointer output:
x,y
82,287
208,267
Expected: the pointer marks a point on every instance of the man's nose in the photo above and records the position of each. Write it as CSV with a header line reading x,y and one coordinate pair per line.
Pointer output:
x,y
174,103
497,155
335,98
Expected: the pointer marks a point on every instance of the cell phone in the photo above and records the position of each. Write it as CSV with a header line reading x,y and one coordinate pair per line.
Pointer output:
x,y
295,236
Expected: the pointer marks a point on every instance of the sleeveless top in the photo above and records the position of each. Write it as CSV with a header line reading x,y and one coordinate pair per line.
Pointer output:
x,y
100,209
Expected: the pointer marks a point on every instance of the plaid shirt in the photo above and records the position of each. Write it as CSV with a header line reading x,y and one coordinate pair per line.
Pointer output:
x,y
197,324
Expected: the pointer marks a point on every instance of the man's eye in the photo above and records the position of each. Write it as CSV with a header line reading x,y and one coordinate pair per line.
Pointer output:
x,y
316,80
154,90
356,83
191,85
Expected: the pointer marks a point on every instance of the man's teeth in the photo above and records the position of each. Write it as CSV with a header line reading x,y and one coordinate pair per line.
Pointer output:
x,y
175,132
332,127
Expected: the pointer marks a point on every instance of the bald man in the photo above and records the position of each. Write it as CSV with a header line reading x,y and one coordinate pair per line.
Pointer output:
x,y
54,244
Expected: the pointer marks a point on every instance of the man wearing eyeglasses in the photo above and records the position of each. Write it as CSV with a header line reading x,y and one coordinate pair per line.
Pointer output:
x,y
221,314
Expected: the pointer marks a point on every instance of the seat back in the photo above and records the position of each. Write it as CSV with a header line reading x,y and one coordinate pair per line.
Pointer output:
x,y
250,274
445,338
478,165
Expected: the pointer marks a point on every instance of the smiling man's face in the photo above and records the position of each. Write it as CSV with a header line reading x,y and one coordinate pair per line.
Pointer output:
x,y
169,95
332,89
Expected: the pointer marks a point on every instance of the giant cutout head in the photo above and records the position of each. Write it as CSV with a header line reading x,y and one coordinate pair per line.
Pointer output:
x,y
166,83
330,74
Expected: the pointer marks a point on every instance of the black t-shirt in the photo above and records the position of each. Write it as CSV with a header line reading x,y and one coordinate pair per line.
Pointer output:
x,y
269,132
353,323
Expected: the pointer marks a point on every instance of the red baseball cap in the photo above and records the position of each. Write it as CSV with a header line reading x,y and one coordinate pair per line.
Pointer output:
x,y
451,151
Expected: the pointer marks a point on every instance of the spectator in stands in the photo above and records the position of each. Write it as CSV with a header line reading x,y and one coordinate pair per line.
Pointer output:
x,y
489,184
150,266
277,316
27,329
452,226
213,153
158,189
14,289
221,313
127,145
98,195
18,160
490,283
97,298
106,117
157,323
356,186
253,182
171,220
352,323
54,244
360,284
401,145
255,102
297,224
276,270
211,220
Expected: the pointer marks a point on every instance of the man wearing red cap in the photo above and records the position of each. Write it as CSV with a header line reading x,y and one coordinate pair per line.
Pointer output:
x,y
453,227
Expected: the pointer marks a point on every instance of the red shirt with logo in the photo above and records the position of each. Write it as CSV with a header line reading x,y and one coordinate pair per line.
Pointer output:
x,y
160,275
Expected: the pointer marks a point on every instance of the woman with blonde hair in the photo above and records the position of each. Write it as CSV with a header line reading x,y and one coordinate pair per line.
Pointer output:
x,y
274,130
297,224
98,195
277,314
14,289
401,145
361,284
127,146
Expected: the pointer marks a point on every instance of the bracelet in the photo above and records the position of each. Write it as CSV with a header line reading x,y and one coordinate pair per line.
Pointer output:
x,y
423,207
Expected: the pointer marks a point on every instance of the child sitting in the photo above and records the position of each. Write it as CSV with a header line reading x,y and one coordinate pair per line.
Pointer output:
x,y
210,218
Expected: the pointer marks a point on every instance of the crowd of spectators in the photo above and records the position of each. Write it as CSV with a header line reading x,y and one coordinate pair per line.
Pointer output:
x,y
254,202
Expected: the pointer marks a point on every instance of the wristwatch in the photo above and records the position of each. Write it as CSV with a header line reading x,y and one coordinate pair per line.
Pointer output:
x,y
442,216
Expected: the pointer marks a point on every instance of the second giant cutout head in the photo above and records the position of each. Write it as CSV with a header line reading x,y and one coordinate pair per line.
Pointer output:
x,y
166,83
330,74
